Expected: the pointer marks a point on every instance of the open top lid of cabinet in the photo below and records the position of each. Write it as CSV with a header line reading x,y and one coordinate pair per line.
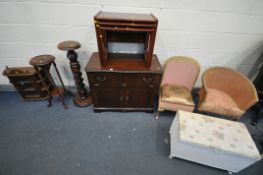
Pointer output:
x,y
132,17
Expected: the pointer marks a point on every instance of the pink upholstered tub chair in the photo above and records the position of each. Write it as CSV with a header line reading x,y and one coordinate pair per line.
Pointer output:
x,y
227,92
179,76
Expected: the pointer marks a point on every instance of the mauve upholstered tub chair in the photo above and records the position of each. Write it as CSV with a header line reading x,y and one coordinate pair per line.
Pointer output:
x,y
227,92
179,76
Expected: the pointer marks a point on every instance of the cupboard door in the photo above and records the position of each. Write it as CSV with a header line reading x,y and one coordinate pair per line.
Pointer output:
x,y
139,97
107,97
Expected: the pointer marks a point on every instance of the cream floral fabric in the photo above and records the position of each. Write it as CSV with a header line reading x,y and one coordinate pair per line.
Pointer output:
x,y
217,134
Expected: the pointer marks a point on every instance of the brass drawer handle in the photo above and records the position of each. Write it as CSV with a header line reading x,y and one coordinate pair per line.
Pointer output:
x,y
101,78
123,85
121,98
147,80
151,85
96,85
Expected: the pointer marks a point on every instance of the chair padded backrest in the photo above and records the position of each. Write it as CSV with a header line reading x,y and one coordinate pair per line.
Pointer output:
x,y
230,81
181,70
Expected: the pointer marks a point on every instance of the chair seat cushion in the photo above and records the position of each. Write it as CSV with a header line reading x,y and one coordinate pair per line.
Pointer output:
x,y
219,102
176,94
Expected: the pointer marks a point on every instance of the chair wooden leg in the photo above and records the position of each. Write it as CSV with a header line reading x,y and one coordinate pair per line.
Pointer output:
x,y
158,113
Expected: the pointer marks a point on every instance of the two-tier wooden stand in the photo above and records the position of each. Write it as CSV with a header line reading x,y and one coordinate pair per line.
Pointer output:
x,y
41,64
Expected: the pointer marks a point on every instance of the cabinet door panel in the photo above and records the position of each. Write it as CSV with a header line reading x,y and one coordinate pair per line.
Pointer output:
x,y
139,97
107,97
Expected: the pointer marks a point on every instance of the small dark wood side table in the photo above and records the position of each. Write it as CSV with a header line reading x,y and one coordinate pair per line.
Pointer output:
x,y
42,63
82,98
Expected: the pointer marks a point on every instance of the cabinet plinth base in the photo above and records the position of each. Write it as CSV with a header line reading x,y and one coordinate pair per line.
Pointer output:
x,y
150,110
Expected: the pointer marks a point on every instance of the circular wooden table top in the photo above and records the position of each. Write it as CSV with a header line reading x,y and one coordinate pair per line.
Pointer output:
x,y
42,60
69,45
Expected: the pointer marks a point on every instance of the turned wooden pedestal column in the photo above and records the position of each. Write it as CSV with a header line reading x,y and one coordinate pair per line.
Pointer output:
x,y
82,98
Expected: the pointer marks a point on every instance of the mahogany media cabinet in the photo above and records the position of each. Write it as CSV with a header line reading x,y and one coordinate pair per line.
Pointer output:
x,y
124,75
123,85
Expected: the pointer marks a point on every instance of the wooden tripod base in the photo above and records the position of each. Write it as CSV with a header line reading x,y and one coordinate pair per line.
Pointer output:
x,y
83,102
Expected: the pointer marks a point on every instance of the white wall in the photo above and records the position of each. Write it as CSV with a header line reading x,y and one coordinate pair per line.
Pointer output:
x,y
215,32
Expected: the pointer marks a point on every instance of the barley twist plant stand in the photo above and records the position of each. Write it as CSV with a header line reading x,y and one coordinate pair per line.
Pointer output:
x,y
82,98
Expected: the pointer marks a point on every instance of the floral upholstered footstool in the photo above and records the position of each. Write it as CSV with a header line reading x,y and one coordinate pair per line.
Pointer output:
x,y
212,141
